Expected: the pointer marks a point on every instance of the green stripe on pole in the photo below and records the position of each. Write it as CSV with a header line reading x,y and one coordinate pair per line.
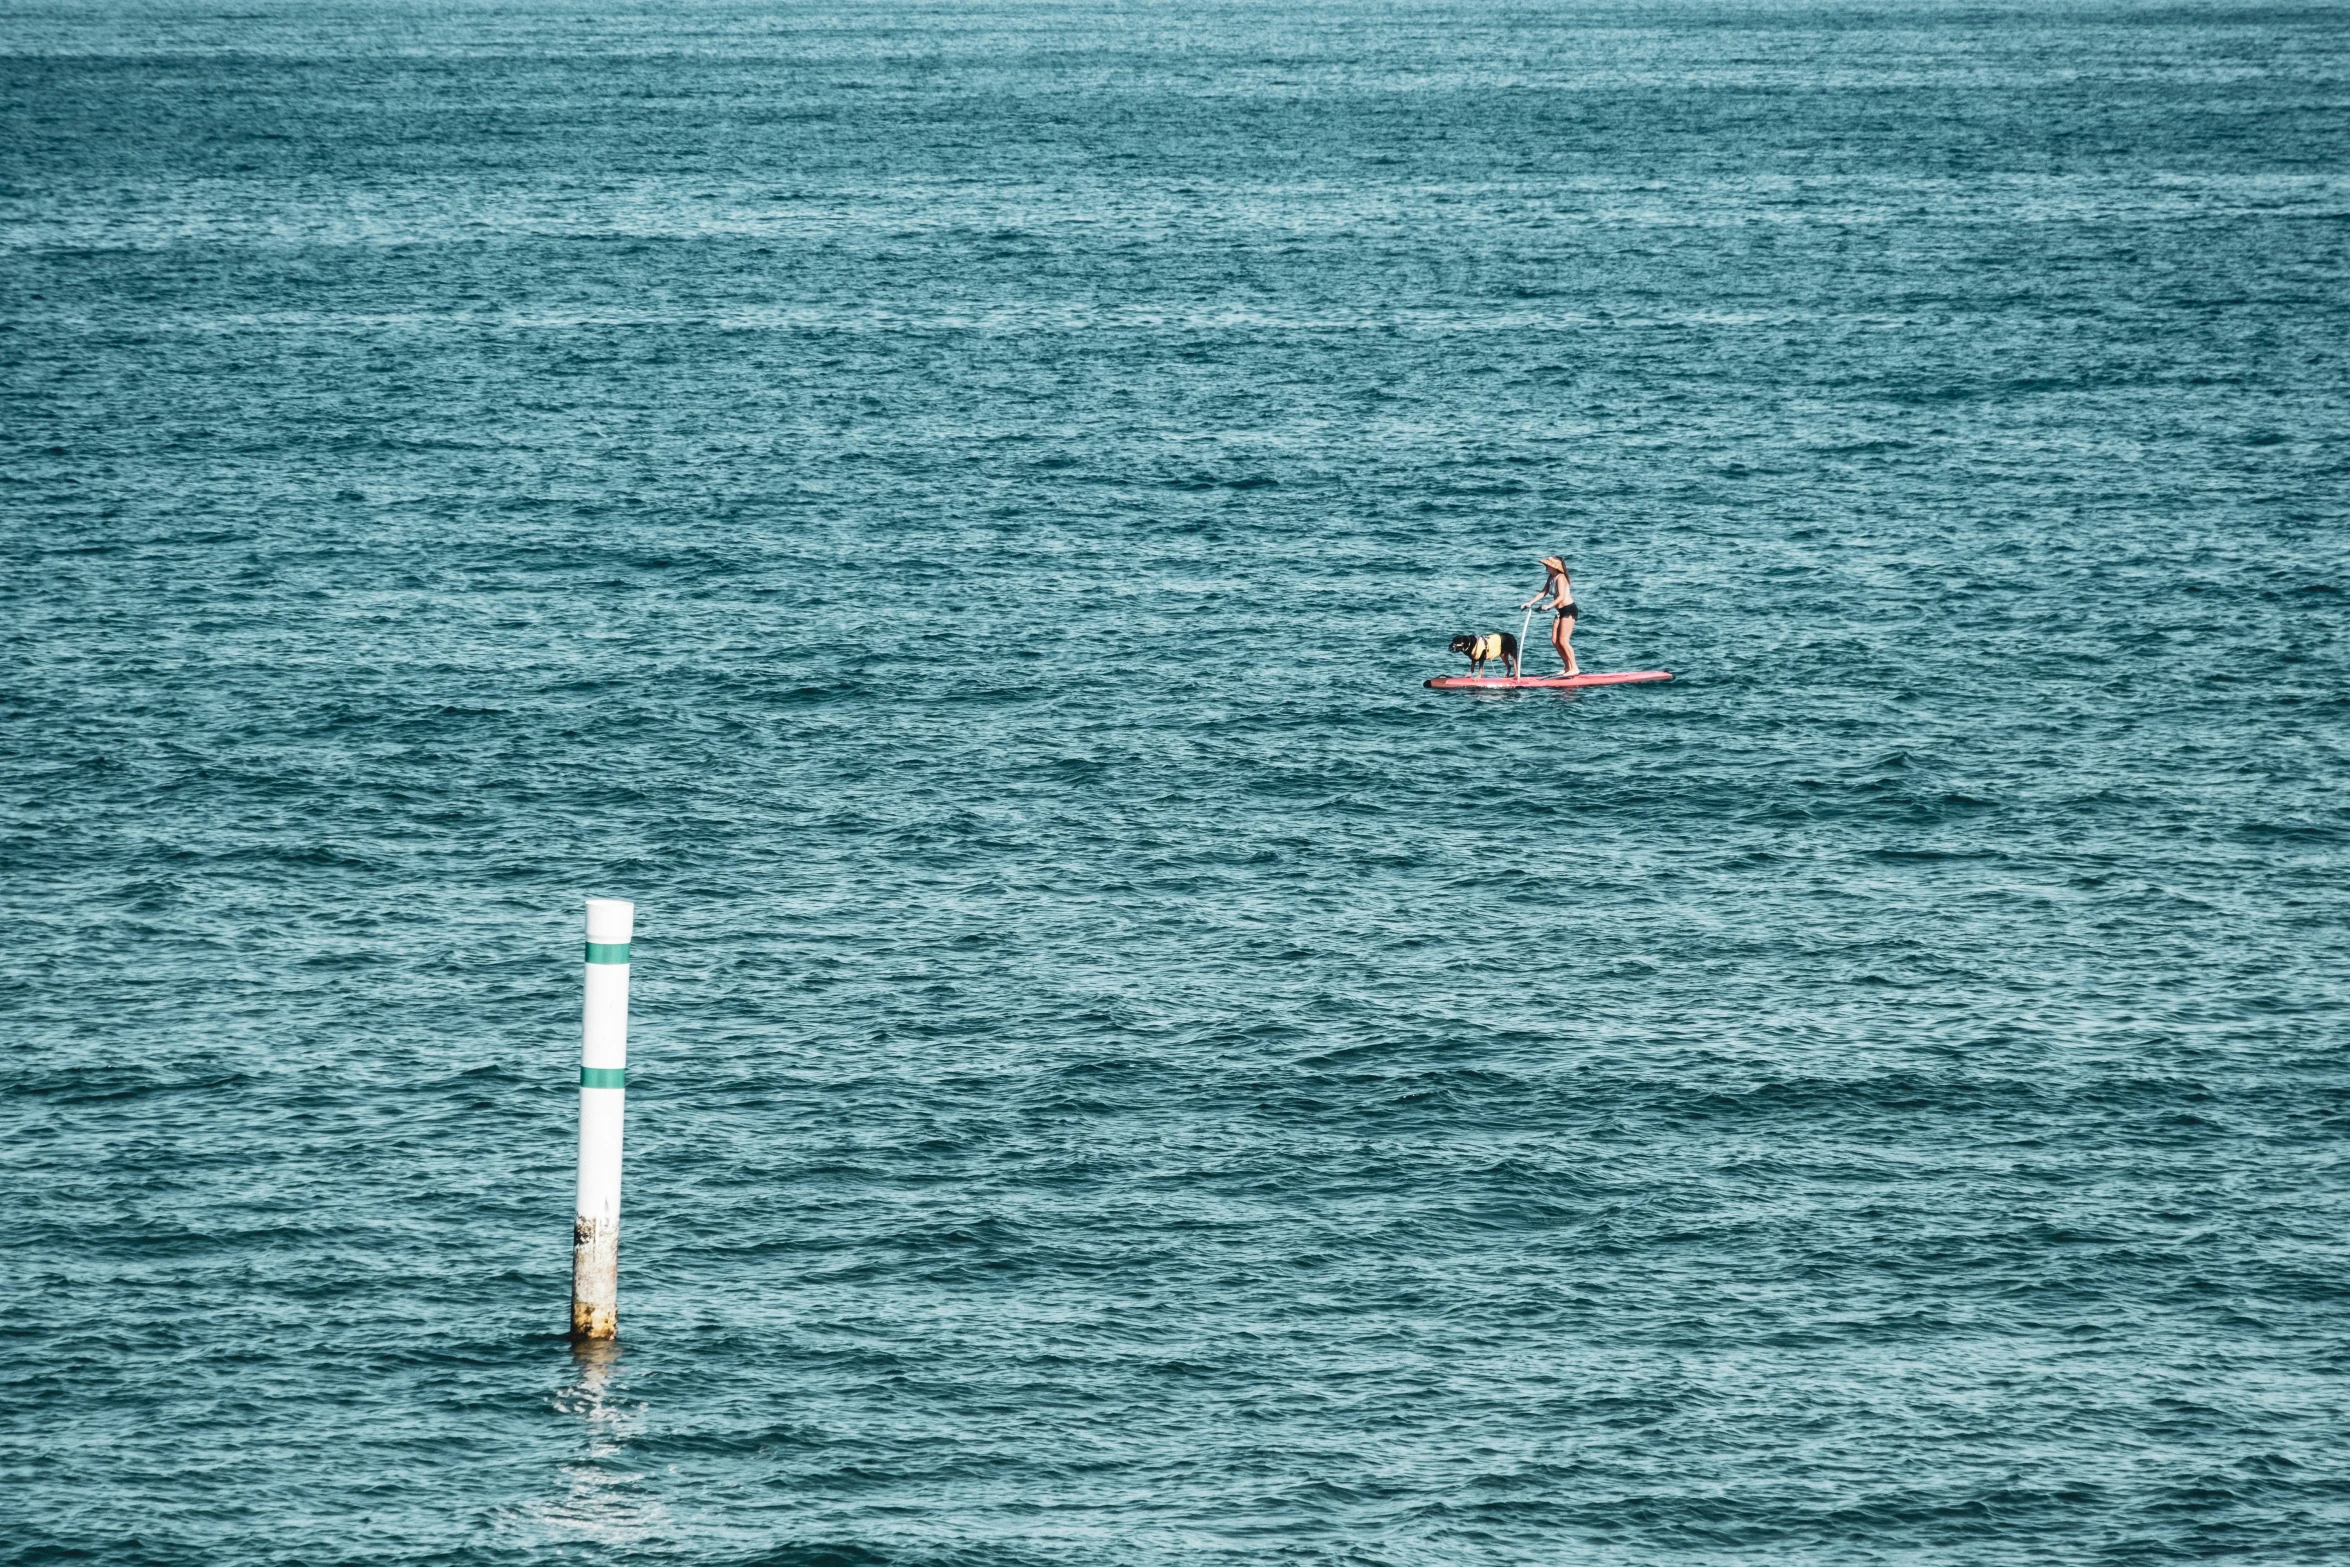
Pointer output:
x,y
603,1077
607,952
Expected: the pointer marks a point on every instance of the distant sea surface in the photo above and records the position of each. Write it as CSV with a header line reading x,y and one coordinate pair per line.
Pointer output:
x,y
949,507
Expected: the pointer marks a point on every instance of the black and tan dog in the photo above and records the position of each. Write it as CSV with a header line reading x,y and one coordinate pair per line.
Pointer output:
x,y
1482,650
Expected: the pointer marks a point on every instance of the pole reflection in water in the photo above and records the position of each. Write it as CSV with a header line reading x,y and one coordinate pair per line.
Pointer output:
x,y
605,1497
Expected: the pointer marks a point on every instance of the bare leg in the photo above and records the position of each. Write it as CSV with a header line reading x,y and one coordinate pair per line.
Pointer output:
x,y
1562,637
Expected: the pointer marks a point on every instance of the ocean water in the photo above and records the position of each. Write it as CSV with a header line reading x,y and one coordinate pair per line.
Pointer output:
x,y
949,507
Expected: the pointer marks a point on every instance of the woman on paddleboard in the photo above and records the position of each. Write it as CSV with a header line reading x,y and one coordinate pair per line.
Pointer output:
x,y
1559,588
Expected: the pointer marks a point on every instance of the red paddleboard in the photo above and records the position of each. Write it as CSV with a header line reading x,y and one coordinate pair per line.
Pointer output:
x,y
1544,682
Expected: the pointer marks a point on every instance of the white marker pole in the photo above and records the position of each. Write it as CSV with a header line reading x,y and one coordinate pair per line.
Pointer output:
x,y
603,1075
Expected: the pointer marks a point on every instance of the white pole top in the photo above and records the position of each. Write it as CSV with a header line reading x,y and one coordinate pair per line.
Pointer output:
x,y
610,920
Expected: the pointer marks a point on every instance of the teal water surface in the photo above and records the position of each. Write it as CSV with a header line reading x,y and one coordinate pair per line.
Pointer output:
x,y
949,507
